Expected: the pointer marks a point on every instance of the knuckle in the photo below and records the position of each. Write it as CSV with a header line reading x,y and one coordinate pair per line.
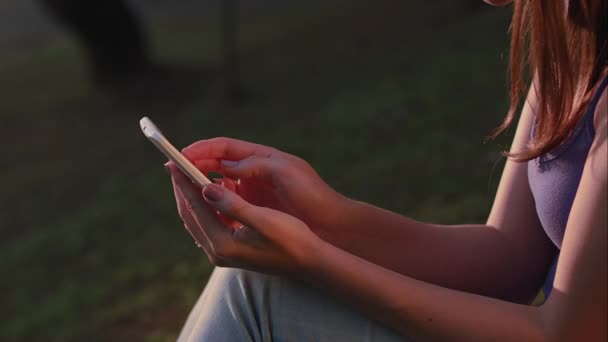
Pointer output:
x,y
221,139
287,165
297,161
283,167
238,208
272,151
221,143
224,251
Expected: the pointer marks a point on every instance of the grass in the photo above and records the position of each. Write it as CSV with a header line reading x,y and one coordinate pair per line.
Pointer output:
x,y
388,100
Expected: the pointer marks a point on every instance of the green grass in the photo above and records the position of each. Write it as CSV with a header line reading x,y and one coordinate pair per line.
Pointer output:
x,y
388,100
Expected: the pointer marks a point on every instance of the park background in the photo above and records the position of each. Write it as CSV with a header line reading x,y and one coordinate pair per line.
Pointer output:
x,y
390,100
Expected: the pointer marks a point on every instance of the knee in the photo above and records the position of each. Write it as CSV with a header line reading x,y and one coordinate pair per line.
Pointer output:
x,y
236,278
238,286
230,308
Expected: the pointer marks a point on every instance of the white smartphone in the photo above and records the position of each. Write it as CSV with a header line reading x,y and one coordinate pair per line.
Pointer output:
x,y
158,139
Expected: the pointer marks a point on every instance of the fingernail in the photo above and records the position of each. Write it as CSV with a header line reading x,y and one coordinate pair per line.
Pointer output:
x,y
167,168
229,163
213,193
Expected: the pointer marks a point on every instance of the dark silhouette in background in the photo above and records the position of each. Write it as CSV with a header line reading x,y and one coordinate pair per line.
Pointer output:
x,y
110,33
117,48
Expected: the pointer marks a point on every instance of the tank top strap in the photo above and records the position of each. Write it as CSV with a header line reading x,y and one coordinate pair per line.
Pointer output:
x,y
598,94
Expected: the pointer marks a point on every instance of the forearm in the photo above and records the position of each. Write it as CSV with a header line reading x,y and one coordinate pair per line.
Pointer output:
x,y
472,258
417,309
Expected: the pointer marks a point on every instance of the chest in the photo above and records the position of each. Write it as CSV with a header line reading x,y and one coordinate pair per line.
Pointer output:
x,y
554,179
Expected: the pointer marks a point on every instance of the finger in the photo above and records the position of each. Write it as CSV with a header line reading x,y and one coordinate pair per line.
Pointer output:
x,y
232,205
226,182
251,236
203,214
212,251
229,184
253,167
189,223
225,148
207,165
227,221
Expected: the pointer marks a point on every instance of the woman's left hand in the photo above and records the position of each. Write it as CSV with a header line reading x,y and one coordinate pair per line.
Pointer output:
x,y
269,241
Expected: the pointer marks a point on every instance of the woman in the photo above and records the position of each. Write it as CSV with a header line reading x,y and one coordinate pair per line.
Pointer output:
x,y
335,269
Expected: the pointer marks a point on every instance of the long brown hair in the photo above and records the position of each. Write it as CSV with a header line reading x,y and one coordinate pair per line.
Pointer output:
x,y
566,54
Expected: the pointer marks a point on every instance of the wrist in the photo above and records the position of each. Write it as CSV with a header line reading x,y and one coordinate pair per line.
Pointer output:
x,y
337,215
313,262
344,211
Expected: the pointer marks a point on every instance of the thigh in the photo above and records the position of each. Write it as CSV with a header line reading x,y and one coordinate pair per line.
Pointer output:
x,y
240,305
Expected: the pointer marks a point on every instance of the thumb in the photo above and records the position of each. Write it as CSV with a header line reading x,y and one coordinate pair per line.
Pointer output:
x,y
235,207
252,166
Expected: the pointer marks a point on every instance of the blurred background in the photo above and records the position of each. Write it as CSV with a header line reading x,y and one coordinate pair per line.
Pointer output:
x,y
390,100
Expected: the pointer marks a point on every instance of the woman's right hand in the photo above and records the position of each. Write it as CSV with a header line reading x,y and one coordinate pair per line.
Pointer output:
x,y
267,177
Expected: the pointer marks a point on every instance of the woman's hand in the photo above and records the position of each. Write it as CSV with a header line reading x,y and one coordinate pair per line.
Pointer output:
x,y
267,177
269,241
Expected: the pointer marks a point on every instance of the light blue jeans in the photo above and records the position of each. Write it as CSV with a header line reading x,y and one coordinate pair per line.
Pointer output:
x,y
244,306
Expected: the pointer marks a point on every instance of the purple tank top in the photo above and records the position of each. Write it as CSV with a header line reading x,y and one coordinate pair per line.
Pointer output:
x,y
554,178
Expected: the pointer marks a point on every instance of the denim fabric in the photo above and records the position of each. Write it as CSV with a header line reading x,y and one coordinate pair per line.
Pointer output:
x,y
244,306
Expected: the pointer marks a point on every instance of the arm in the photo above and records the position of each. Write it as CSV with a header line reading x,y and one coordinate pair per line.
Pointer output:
x,y
575,310
505,258
274,242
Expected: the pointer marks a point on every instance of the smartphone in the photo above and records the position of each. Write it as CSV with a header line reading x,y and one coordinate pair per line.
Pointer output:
x,y
158,139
